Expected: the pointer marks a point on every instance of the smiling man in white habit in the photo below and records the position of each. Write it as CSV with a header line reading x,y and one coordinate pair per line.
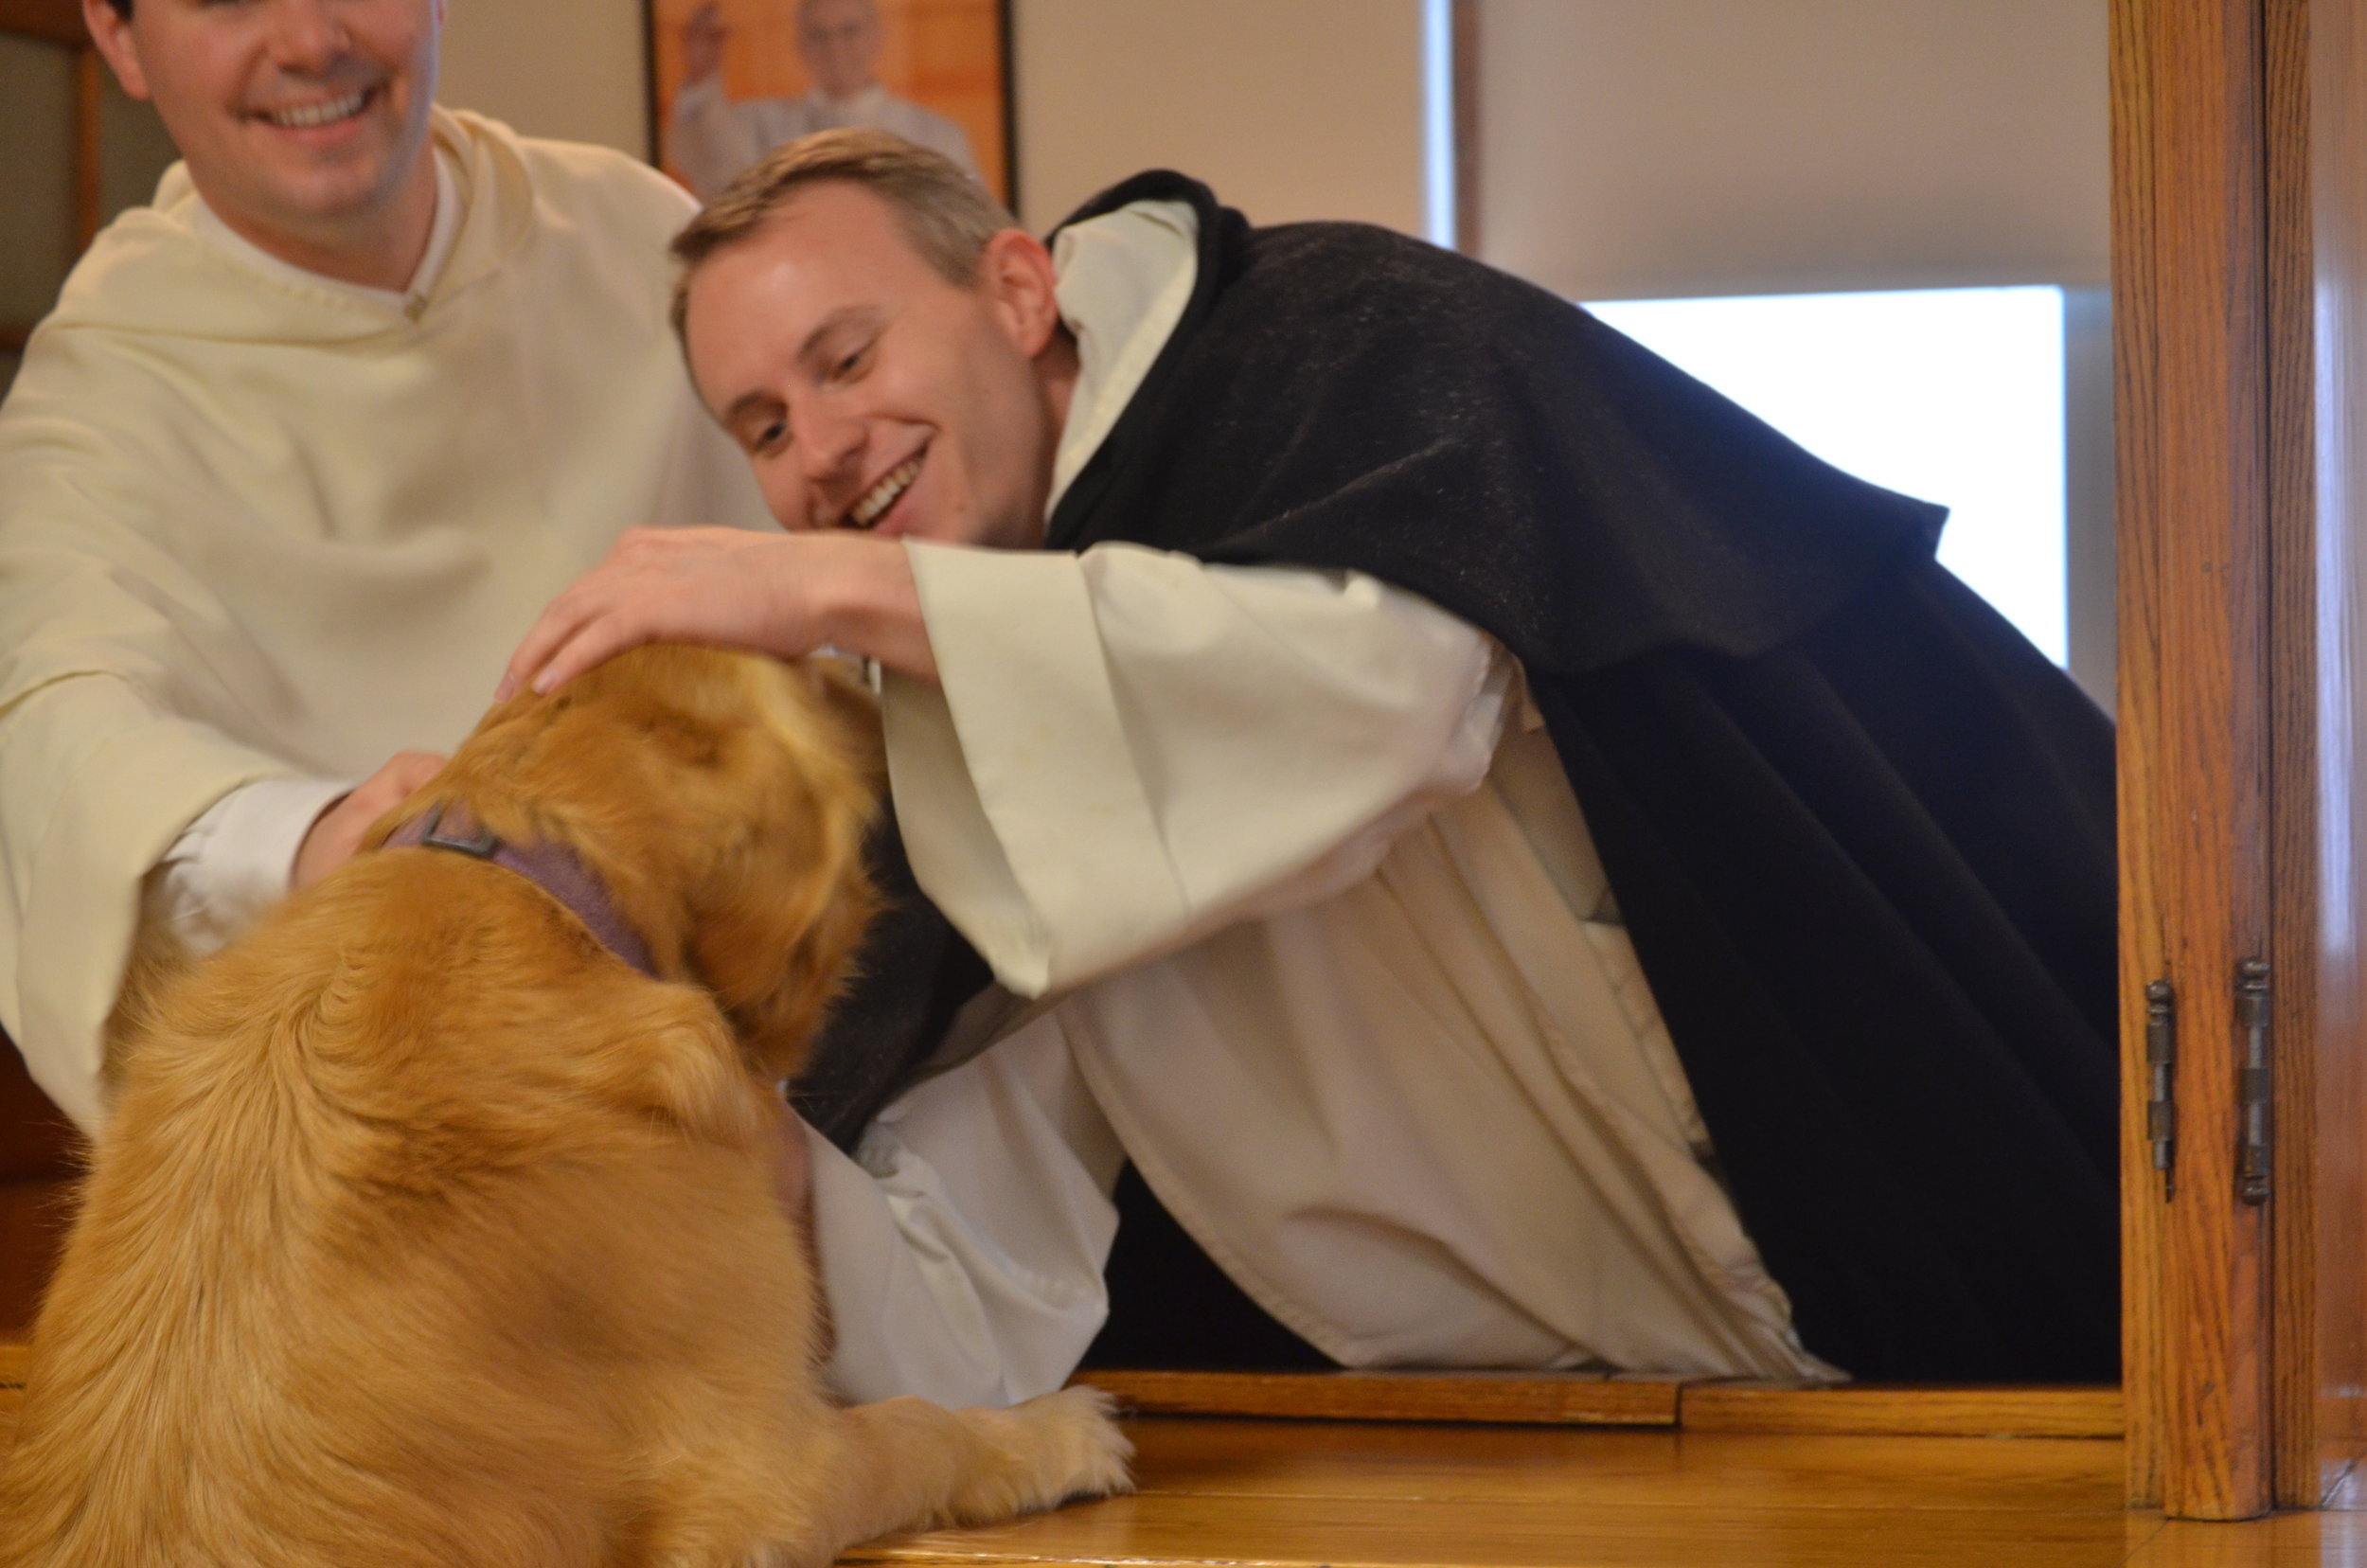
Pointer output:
x,y
302,449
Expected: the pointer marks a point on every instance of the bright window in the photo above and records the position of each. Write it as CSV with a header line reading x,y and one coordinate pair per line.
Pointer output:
x,y
1950,395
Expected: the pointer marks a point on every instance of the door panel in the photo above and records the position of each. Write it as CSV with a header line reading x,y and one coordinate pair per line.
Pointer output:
x,y
2240,234
2190,395
2315,140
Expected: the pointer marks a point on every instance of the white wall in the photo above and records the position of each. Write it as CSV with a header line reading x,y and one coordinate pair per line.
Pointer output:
x,y
1649,149
1286,107
565,68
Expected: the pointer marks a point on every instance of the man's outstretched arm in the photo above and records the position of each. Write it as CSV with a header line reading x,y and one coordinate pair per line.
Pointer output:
x,y
1239,739
786,594
263,841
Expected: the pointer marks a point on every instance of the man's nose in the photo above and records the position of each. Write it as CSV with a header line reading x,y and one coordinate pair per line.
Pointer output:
x,y
307,35
829,446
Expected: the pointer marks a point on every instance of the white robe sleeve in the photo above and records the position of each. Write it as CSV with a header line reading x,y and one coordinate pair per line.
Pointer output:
x,y
235,861
1132,749
962,1248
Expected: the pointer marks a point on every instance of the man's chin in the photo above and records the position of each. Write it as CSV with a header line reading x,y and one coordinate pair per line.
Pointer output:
x,y
322,202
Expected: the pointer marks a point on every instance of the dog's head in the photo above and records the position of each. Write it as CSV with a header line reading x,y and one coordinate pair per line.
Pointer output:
x,y
722,799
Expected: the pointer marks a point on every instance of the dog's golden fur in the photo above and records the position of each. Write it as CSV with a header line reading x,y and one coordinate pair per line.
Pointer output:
x,y
426,1232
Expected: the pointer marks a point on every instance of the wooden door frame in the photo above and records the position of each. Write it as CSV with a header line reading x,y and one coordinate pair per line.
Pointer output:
x,y
61,22
2315,137
2241,716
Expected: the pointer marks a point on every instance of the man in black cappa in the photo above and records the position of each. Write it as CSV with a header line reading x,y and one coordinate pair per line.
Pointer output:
x,y
1252,605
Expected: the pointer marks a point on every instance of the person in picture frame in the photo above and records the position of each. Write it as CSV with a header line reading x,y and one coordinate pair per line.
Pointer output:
x,y
711,138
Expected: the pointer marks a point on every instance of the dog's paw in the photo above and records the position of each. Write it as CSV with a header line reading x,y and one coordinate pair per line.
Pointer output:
x,y
1094,1456
1046,1452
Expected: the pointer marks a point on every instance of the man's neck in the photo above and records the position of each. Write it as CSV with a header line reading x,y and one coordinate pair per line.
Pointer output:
x,y
382,252
1057,369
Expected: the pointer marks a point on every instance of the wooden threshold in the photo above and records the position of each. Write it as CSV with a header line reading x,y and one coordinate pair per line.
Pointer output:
x,y
1878,1410
1596,1399
1511,1398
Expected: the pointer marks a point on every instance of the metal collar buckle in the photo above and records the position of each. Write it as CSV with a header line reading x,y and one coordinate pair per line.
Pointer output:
x,y
482,846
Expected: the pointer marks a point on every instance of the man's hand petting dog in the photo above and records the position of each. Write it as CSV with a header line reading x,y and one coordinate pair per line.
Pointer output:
x,y
786,594
336,833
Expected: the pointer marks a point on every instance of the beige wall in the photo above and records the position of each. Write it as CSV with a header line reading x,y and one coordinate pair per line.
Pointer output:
x,y
1674,146
564,68
1288,108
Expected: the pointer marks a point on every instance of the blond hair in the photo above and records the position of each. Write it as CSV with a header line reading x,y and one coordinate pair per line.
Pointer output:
x,y
948,216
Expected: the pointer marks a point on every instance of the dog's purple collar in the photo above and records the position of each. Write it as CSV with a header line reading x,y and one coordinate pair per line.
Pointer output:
x,y
552,868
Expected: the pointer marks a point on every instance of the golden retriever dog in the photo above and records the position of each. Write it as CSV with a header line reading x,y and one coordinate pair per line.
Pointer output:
x,y
428,1231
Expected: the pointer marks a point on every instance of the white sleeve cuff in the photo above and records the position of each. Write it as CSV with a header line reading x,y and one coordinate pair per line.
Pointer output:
x,y
995,813
962,1249
235,861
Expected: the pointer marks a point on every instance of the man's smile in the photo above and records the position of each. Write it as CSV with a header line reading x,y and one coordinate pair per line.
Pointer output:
x,y
890,490
308,116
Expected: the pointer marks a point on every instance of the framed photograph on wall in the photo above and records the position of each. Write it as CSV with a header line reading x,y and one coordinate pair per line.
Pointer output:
x,y
730,80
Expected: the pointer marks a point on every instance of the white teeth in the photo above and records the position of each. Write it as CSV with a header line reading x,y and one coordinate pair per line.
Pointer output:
x,y
882,495
318,113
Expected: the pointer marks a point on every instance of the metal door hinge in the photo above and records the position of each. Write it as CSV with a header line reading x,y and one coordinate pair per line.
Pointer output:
x,y
2254,1131
2161,1095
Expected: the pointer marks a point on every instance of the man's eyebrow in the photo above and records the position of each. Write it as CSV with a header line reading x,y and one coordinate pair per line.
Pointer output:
x,y
811,350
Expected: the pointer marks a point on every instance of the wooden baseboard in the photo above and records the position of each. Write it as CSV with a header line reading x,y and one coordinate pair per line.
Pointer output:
x,y
35,1212
1595,1399
1518,1398
1876,1410
11,1390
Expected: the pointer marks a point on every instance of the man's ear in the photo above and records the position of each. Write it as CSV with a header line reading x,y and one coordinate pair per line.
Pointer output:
x,y
112,32
1016,272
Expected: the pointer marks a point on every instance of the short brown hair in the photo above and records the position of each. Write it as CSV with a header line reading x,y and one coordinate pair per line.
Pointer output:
x,y
948,216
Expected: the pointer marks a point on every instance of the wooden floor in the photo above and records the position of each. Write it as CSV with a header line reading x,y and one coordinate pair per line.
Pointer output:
x,y
1348,1494
1829,1477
